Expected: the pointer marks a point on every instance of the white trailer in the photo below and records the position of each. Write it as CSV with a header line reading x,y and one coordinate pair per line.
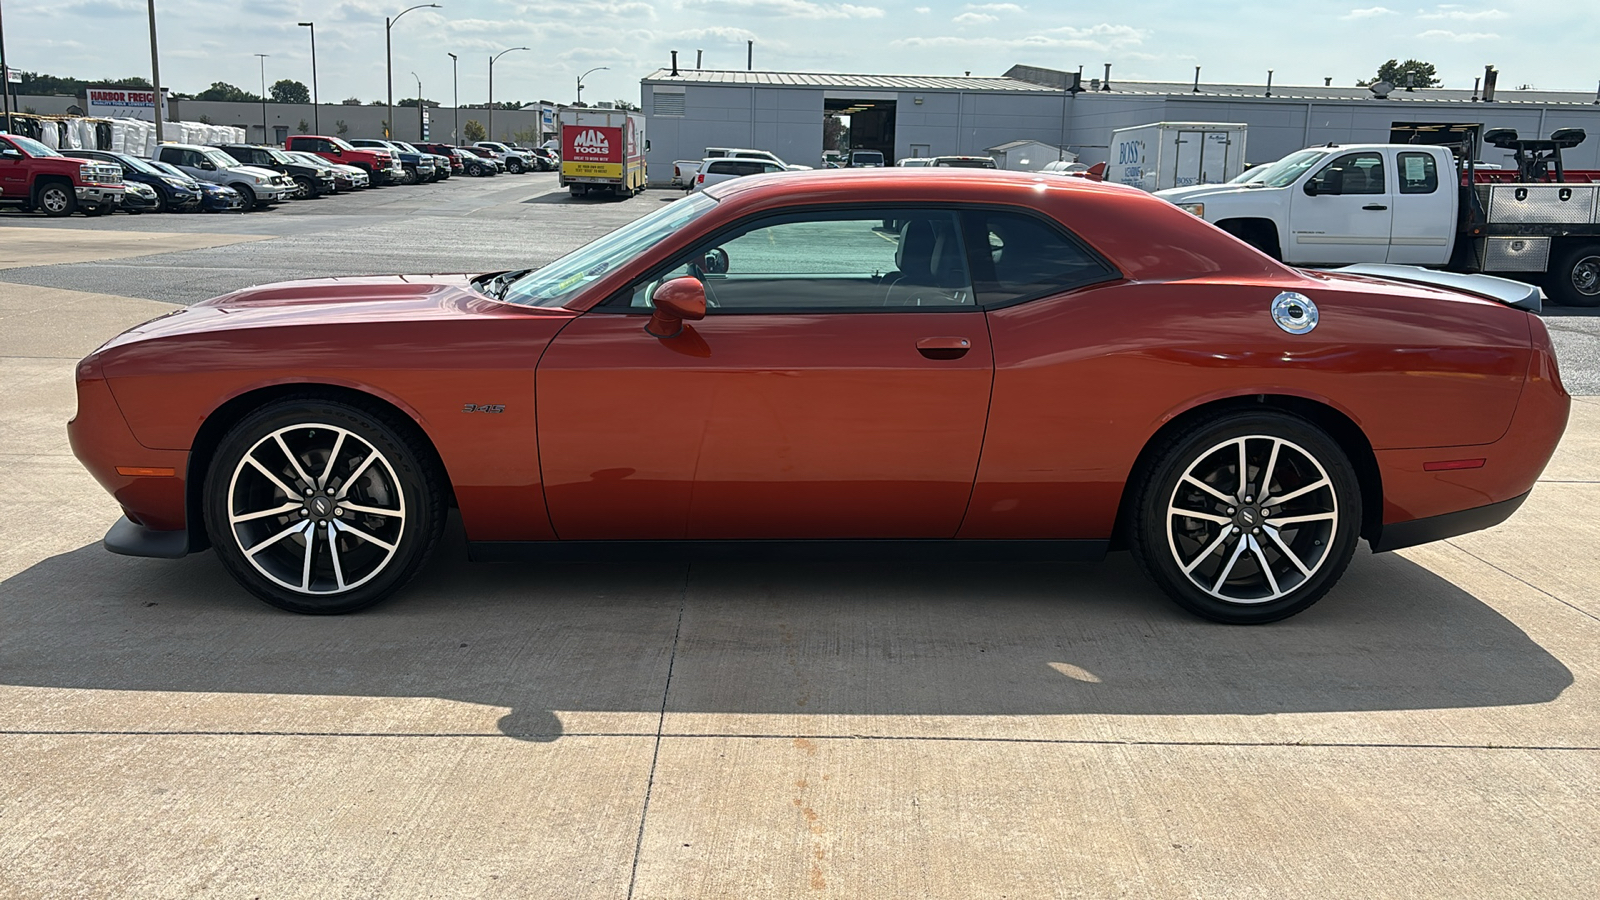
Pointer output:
x,y
1165,155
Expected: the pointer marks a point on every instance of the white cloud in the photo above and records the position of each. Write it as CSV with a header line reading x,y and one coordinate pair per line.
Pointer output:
x,y
1439,34
1455,13
993,7
1095,37
789,9
974,19
1371,12
923,10
592,10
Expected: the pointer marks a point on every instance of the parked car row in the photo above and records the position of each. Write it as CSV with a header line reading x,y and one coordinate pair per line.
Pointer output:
x,y
223,177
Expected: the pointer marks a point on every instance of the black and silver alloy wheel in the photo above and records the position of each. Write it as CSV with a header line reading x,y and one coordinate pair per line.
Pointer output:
x,y
320,507
1574,276
1250,518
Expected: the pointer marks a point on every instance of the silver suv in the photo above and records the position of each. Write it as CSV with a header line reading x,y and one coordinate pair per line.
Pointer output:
x,y
256,187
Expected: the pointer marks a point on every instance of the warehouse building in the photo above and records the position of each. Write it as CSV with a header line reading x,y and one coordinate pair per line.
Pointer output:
x,y
688,110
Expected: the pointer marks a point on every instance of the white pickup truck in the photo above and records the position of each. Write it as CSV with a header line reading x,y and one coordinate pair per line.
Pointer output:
x,y
685,170
1405,204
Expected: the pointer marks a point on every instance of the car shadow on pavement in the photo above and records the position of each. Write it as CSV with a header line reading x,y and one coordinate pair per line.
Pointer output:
x,y
867,640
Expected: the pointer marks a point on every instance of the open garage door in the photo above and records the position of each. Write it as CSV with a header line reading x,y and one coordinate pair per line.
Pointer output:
x,y
870,123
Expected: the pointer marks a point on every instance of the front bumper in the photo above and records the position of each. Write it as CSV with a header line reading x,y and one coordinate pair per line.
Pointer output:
x,y
95,193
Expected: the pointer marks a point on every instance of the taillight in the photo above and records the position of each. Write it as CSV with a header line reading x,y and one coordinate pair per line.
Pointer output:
x,y
700,179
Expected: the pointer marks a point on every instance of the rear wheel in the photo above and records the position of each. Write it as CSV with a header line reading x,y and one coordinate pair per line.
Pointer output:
x,y
56,199
246,196
1248,518
319,506
1574,280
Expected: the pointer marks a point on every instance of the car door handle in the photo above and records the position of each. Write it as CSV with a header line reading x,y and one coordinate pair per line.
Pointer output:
x,y
944,347
1374,206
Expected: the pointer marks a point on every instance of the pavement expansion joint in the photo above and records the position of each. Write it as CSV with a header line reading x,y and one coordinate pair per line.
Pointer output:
x,y
1524,581
661,723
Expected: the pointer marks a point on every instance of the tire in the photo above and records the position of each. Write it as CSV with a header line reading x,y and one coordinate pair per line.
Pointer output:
x,y
1234,565
308,187
578,190
56,199
272,532
1574,280
246,195
410,176
161,203
514,166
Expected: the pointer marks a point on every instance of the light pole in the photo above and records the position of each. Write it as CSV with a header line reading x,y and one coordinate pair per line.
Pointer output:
x,y
155,70
420,135
316,118
455,90
388,61
586,75
491,85
263,58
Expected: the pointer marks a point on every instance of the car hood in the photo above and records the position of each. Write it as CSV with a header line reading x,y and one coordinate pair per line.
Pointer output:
x,y
255,171
1198,192
326,302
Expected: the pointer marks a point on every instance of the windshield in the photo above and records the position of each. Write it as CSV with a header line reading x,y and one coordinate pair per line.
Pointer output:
x,y
278,156
139,165
1284,172
308,159
218,158
406,147
562,280
33,147
868,156
341,143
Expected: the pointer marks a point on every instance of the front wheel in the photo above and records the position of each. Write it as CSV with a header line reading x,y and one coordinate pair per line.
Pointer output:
x,y
514,166
1574,280
247,197
1247,518
319,506
57,199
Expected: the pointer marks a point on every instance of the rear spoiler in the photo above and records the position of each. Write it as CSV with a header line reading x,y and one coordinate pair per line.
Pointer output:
x,y
1503,290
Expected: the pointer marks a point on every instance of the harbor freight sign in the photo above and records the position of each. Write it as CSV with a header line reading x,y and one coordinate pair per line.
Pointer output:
x,y
124,103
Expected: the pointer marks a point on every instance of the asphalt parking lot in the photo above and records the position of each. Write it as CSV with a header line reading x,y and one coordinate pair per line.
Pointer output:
x,y
1430,729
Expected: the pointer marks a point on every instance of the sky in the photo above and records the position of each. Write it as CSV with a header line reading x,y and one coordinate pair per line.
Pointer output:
x,y
1546,44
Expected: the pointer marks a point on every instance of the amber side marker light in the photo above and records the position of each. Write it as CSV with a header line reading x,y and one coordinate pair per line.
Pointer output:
x,y
1448,464
156,471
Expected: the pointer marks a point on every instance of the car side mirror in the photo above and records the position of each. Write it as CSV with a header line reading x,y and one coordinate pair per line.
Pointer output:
x,y
1311,188
207,165
647,145
11,153
338,151
675,301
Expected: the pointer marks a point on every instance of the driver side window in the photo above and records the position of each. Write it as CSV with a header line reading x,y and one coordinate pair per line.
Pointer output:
x,y
1353,173
832,261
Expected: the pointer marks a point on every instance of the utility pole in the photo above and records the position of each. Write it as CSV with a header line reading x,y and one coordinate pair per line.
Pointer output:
x,y
155,71
388,62
316,115
491,85
455,91
420,135
263,58
5,71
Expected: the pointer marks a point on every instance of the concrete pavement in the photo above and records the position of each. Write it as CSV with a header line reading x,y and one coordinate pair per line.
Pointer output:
x,y
1430,729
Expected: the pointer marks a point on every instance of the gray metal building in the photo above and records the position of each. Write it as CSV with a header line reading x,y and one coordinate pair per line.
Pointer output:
x,y
689,110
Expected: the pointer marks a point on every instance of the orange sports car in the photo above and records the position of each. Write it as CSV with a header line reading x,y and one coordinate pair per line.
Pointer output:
x,y
952,364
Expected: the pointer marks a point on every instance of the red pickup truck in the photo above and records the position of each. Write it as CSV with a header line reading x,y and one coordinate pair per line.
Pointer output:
x,y
380,165
34,176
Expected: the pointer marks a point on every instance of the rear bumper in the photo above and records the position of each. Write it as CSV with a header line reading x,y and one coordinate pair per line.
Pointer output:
x,y
1449,525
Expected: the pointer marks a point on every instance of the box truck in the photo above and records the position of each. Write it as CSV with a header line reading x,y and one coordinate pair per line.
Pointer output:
x,y
1176,154
602,150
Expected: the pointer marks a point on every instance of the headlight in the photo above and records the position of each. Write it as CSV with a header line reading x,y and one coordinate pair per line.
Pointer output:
x,y
1198,209
175,182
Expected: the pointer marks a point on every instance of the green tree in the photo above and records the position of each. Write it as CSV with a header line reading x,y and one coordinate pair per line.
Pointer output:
x,y
623,104
39,83
473,131
289,91
340,128
411,103
305,126
221,90
1395,71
